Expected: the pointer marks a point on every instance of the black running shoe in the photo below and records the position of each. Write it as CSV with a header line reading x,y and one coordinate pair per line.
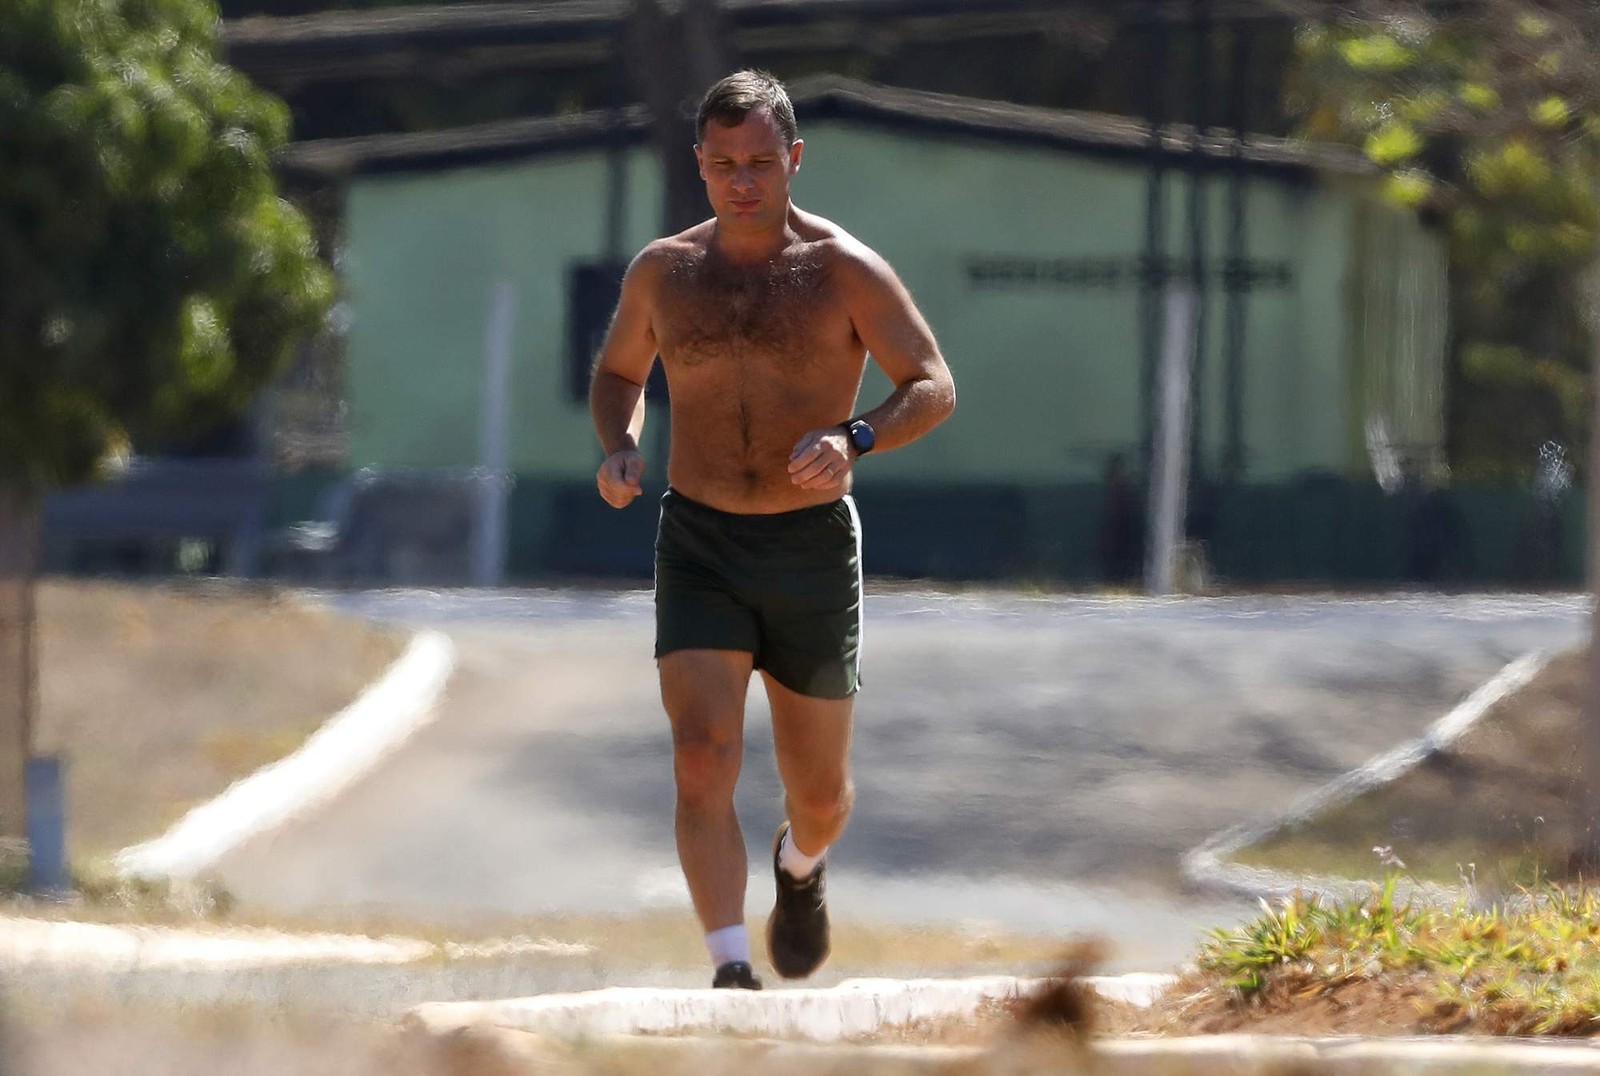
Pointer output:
x,y
736,975
797,930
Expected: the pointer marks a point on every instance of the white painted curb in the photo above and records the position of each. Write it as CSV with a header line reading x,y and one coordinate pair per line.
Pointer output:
x,y
510,1052
109,947
851,1009
1208,865
388,712
1194,1055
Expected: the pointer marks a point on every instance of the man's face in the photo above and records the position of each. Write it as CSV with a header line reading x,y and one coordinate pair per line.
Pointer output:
x,y
747,170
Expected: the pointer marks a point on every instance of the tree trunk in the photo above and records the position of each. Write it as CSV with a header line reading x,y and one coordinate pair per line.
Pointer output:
x,y
673,60
1589,810
19,545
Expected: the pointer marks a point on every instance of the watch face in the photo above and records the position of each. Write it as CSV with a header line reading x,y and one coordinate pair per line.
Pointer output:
x,y
862,436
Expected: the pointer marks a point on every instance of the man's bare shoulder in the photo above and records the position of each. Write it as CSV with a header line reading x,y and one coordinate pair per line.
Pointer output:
x,y
662,257
828,237
860,263
691,240
664,252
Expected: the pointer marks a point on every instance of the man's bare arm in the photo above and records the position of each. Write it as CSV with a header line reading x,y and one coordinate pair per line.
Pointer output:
x,y
894,331
616,389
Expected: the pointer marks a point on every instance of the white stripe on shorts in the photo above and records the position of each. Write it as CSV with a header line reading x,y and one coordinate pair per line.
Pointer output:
x,y
861,586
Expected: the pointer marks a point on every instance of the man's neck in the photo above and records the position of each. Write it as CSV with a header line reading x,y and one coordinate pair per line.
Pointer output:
x,y
750,247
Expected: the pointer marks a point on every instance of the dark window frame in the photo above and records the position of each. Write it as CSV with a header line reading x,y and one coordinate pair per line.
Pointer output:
x,y
592,292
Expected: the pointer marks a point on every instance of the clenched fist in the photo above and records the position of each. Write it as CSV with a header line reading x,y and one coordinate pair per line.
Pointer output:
x,y
821,460
619,477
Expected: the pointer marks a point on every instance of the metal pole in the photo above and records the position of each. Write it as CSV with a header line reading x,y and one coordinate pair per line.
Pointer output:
x,y
1169,480
489,556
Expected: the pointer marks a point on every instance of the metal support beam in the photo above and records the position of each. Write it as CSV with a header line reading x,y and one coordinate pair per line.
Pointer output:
x,y
1200,82
1236,273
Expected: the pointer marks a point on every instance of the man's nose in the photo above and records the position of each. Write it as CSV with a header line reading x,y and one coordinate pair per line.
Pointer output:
x,y
743,178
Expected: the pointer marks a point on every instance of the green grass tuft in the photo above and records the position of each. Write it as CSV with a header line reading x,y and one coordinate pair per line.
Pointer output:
x,y
1527,967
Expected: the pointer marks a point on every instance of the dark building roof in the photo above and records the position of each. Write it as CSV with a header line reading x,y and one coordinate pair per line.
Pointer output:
x,y
558,17
460,147
346,44
825,97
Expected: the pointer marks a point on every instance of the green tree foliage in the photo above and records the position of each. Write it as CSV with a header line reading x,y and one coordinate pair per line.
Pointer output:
x,y
1486,115
151,279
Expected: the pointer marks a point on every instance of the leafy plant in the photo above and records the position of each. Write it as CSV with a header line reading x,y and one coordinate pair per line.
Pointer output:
x,y
153,277
1528,967
1486,116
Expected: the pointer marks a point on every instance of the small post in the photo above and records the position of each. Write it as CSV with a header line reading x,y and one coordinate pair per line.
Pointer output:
x,y
19,558
47,827
7,1035
494,453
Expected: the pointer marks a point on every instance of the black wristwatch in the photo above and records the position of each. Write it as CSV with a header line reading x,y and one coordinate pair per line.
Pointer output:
x,y
861,434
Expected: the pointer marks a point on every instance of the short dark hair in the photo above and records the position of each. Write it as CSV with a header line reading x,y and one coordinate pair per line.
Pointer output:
x,y
733,98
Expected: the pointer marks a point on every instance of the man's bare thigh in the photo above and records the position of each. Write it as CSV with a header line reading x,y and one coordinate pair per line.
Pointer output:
x,y
705,687
811,737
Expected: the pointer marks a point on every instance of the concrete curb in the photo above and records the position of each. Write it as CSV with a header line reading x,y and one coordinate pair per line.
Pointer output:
x,y
1208,865
110,947
852,1009
389,711
480,1050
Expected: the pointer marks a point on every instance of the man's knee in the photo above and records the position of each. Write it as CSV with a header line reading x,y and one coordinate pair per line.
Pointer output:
x,y
824,800
706,769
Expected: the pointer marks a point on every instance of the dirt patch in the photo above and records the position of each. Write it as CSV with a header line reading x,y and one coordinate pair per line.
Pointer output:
x,y
1496,808
158,697
161,696
1383,1005
92,1038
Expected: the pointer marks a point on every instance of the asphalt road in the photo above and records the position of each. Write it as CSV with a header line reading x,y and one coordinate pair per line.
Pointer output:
x,y
1036,763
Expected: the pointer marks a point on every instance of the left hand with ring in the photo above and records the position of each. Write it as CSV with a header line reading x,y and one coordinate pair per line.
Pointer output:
x,y
822,459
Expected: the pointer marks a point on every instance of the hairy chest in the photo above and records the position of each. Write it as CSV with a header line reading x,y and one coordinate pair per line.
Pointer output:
x,y
786,314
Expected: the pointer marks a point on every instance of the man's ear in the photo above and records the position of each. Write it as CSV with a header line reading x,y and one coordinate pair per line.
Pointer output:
x,y
699,160
795,150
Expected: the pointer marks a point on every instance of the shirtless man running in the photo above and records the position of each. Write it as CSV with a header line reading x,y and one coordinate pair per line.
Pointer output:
x,y
763,317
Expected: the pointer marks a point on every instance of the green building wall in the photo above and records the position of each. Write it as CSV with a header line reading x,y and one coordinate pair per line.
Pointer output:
x,y
1048,371
422,257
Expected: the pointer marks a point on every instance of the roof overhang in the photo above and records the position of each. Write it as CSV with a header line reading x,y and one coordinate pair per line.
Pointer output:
x,y
832,97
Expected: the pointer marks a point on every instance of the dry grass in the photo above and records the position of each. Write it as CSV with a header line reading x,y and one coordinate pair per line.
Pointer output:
x,y
1496,807
160,696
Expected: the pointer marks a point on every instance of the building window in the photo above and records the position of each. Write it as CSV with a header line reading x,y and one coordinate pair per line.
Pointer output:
x,y
592,292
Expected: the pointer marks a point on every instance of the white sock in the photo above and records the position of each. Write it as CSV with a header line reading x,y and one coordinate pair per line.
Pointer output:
x,y
729,943
798,865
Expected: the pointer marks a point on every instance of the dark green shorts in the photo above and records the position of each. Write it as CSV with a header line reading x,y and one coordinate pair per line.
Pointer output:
x,y
786,587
